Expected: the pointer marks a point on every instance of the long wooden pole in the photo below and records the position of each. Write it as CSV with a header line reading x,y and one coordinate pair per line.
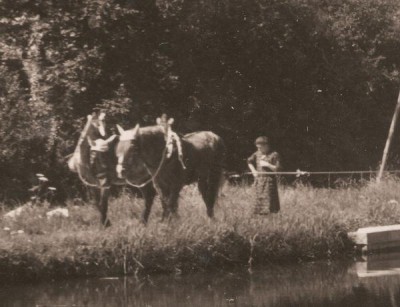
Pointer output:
x,y
389,140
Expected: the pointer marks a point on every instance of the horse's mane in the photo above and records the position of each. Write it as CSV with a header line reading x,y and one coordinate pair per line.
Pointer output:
x,y
151,130
189,134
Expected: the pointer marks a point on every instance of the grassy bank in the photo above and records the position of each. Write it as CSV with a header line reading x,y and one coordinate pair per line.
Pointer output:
x,y
312,225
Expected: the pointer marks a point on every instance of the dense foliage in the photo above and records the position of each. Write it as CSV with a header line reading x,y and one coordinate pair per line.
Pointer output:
x,y
320,77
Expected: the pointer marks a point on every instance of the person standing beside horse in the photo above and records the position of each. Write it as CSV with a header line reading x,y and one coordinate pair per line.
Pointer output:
x,y
263,161
94,161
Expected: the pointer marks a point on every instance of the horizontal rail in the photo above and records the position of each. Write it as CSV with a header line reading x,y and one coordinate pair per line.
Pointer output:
x,y
305,173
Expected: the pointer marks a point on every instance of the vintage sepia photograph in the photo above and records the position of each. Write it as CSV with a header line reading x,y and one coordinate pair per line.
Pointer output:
x,y
203,153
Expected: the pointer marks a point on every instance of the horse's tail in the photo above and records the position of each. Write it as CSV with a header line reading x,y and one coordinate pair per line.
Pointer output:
x,y
221,166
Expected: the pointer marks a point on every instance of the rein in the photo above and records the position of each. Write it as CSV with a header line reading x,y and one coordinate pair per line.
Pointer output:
x,y
152,177
78,151
85,182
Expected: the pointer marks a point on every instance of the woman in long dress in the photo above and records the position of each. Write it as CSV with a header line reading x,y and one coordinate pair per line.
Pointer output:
x,y
265,160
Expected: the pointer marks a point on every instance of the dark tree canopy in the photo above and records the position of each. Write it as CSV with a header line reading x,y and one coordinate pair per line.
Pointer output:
x,y
319,77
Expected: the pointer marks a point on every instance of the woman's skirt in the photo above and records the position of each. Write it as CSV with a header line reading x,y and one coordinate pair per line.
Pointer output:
x,y
267,197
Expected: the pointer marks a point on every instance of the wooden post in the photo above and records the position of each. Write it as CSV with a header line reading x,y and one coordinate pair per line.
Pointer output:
x,y
389,140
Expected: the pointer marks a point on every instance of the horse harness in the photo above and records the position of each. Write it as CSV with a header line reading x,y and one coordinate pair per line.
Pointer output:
x,y
171,139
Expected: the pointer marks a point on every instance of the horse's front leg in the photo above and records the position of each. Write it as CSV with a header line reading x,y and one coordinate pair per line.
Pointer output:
x,y
169,198
103,206
173,200
148,193
163,192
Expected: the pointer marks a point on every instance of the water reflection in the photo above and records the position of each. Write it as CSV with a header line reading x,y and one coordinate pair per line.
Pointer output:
x,y
379,265
321,284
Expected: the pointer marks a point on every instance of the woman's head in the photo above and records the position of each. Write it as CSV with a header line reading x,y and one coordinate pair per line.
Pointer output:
x,y
263,144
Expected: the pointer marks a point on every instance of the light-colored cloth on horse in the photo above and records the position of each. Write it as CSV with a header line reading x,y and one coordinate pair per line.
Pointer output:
x,y
172,138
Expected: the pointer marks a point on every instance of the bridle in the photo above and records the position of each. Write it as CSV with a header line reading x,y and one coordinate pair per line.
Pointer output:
x,y
91,161
78,152
152,176
85,182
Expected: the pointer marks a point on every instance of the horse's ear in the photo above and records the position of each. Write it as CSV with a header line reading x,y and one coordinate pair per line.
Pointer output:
x,y
120,129
91,142
110,139
89,117
158,121
170,121
102,116
135,131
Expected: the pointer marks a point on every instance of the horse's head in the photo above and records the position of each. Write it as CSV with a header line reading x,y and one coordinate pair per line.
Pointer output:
x,y
100,160
140,149
98,124
126,149
92,145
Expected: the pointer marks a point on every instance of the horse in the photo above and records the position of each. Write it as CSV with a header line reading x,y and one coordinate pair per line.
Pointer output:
x,y
95,162
203,156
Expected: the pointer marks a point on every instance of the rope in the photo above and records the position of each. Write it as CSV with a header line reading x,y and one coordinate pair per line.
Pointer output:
x,y
171,137
165,155
77,151
303,173
85,182
83,135
179,148
152,177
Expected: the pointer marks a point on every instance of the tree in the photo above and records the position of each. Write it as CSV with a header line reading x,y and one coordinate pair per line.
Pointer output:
x,y
319,77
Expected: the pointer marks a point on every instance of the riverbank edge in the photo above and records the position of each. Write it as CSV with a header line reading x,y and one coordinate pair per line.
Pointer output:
x,y
233,251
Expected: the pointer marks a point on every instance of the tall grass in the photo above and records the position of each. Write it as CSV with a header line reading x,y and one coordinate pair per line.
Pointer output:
x,y
312,224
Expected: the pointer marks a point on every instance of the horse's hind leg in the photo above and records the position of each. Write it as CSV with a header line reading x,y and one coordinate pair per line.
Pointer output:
x,y
148,193
209,188
169,202
169,198
163,193
166,212
204,188
173,201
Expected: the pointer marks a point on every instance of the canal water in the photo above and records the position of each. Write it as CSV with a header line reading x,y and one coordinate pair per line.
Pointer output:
x,y
373,282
